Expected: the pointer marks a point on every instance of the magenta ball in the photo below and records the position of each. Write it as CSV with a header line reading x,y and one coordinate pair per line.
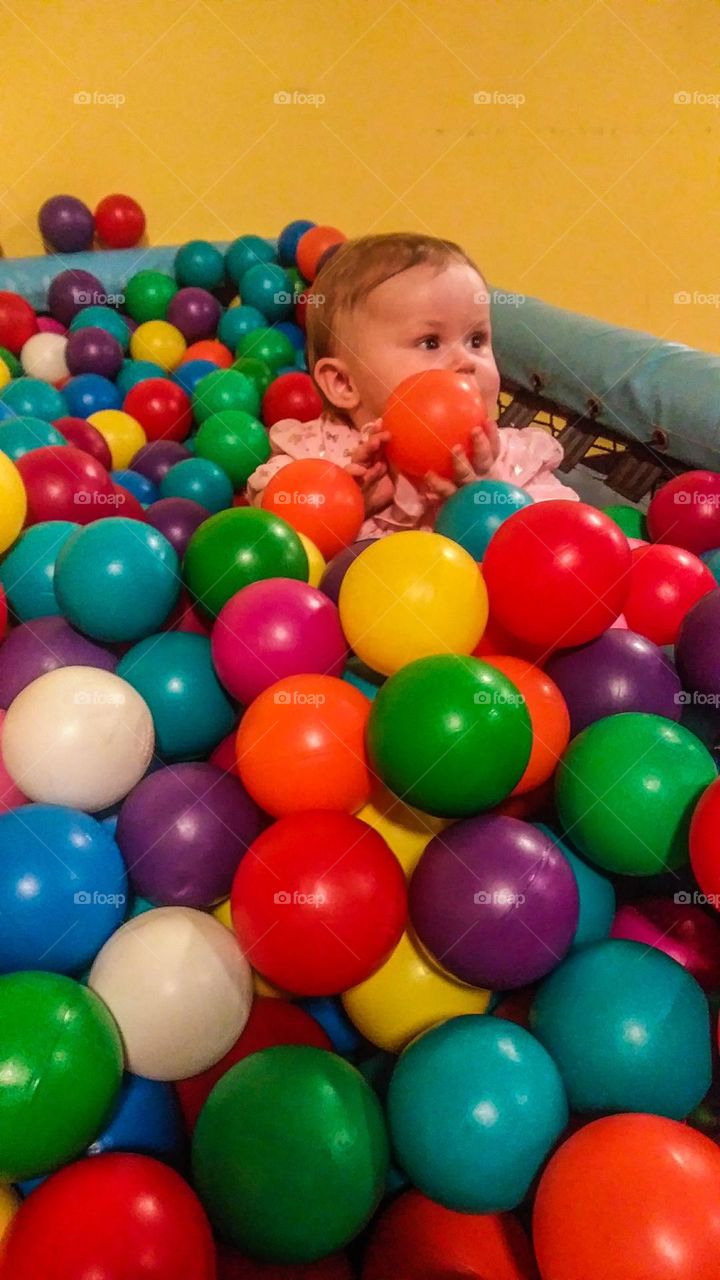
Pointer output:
x,y
155,459
273,629
332,578
93,350
618,672
494,900
72,290
182,832
42,645
195,312
681,929
66,224
177,519
46,324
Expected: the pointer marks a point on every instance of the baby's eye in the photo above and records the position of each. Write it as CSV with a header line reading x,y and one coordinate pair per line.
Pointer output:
x,y
479,339
430,343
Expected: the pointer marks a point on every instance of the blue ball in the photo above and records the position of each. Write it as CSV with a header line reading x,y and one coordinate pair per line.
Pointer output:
x,y
236,322
28,571
175,675
595,891
293,332
244,253
19,436
289,238
328,1011
200,480
63,889
475,1106
188,375
147,1120
301,362
89,393
117,579
712,560
31,398
134,371
138,485
269,288
476,511
629,1029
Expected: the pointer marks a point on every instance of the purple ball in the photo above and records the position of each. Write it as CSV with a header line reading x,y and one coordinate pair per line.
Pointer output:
x,y
177,519
332,578
697,650
42,645
93,350
155,459
72,290
495,902
196,313
620,671
66,224
182,832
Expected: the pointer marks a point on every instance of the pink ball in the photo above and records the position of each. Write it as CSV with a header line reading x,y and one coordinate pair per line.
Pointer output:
x,y
10,795
620,623
46,324
638,542
680,929
276,628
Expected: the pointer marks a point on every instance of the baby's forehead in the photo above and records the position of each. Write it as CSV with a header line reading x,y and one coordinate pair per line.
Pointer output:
x,y
450,286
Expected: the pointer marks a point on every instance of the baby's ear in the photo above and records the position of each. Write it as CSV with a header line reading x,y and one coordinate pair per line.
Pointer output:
x,y
333,378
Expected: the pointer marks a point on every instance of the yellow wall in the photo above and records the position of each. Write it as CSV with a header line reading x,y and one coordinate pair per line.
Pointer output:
x,y
599,192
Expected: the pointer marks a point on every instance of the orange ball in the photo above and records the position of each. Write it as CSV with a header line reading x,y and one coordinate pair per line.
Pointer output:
x,y
549,718
428,415
631,1195
208,349
301,745
318,499
312,245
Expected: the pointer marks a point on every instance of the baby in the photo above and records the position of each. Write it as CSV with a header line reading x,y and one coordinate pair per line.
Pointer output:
x,y
384,307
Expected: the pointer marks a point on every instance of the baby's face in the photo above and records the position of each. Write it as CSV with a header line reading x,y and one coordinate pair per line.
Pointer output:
x,y
420,319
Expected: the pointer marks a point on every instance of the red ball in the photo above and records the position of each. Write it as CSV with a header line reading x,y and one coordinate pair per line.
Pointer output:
x,y
224,755
126,504
18,321
236,1266
292,395
312,245
318,499
686,512
83,435
119,222
665,582
336,893
187,617
428,415
64,483
111,1217
161,407
271,1022
705,843
557,573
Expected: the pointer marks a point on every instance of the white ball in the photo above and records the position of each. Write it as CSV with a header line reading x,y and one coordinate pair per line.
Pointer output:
x,y
43,356
179,988
78,736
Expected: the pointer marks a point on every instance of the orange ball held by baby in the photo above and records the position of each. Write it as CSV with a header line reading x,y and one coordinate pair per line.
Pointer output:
x,y
428,415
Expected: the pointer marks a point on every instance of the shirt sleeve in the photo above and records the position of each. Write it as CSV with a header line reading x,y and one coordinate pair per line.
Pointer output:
x,y
529,458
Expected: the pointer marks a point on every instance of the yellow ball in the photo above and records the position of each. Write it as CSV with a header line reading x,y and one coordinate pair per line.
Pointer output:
x,y
5,375
222,913
316,564
407,996
235,302
13,502
409,596
122,434
405,829
9,1205
158,341
264,988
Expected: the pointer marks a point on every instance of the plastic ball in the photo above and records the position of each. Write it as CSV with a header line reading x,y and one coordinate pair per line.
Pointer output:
x,y
201,481
89,393
235,441
620,671
448,735
236,322
557,573
195,312
158,341
190,372
679,928
134,372
44,356
63,483
209,350
199,263
32,398
428,415
70,291
237,547
411,595
492,1086
148,295
626,788
312,245
61,1063
549,718
704,844
41,645
225,389
93,350
174,674
319,499
66,224
316,563
267,287
476,511
139,1219
127,504
18,321
146,1120
161,407
301,745
19,436
246,252
697,652
665,582
289,238
293,395
176,519
632,521
196,987
154,460
137,486
628,1029
334,575
336,892
119,221
270,345
686,512
405,829
102,318
596,894
11,361
258,372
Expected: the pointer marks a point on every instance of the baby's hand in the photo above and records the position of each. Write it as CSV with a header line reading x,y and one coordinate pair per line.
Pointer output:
x,y
485,447
369,467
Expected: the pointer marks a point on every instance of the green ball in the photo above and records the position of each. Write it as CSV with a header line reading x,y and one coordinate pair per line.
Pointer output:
x,y
61,1063
272,346
234,440
450,735
632,522
290,1154
260,373
244,253
237,547
102,318
225,389
12,362
299,285
626,790
148,295
199,263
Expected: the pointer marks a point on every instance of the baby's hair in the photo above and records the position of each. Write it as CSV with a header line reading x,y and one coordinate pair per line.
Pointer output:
x,y
354,270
